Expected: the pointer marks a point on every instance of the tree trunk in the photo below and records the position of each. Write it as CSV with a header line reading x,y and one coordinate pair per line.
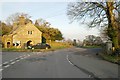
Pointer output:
x,y
112,24
115,42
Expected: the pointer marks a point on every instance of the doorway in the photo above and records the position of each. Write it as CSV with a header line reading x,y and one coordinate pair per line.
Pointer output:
x,y
8,44
29,43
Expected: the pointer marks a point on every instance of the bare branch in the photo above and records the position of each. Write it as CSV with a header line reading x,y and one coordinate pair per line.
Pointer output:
x,y
99,5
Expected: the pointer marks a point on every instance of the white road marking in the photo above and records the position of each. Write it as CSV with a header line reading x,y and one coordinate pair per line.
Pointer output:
x,y
11,60
12,63
5,63
68,60
17,60
6,66
20,56
1,69
28,55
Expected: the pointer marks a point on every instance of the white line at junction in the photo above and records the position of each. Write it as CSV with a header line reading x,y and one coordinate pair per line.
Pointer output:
x,y
69,60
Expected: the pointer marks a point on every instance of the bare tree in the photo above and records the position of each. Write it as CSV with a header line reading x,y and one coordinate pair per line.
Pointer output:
x,y
101,14
15,17
42,22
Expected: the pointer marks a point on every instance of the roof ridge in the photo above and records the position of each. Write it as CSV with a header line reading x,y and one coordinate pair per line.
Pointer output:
x,y
14,30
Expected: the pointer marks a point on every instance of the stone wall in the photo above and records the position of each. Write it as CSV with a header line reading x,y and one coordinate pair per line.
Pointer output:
x,y
107,47
7,41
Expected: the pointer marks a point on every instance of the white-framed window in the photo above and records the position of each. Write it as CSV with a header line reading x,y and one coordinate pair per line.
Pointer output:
x,y
29,32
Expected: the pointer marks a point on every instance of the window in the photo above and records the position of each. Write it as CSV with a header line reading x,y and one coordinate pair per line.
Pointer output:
x,y
29,32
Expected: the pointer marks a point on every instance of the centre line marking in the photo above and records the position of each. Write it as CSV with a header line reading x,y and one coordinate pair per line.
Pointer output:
x,y
68,60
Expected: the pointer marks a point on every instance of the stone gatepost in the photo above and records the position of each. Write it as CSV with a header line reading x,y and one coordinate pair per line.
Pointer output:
x,y
109,47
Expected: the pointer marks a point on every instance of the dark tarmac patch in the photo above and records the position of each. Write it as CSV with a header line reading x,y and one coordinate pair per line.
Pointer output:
x,y
80,53
91,55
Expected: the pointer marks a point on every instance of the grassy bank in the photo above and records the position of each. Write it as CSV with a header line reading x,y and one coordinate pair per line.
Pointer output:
x,y
54,46
91,46
111,58
59,45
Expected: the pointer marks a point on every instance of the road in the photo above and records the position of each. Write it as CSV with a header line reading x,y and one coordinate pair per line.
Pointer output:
x,y
56,64
87,61
0,64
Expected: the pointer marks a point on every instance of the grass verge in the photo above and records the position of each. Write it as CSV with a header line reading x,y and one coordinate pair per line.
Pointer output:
x,y
59,45
111,58
54,46
91,46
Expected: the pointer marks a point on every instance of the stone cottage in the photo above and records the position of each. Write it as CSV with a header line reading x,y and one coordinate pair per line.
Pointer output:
x,y
22,35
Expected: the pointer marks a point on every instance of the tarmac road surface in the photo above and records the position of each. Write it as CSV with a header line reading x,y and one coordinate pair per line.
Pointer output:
x,y
65,63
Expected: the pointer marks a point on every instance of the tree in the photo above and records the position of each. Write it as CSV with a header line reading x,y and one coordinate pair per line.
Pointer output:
x,y
98,41
101,14
119,37
4,29
36,23
58,35
55,34
15,18
91,40
50,33
69,41
0,28
42,22
19,19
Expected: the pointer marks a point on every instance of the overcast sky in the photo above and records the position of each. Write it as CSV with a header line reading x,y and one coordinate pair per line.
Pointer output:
x,y
53,12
